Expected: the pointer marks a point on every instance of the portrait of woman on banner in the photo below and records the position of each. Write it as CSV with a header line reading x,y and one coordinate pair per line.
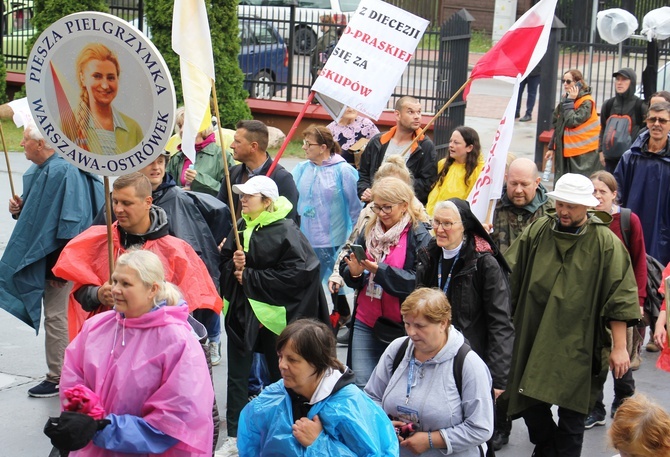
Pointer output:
x,y
92,122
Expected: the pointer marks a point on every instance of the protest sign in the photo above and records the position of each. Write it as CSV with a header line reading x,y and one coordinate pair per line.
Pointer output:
x,y
369,59
100,93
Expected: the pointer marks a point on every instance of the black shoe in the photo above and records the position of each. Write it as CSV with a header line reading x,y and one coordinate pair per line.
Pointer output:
x,y
594,419
526,118
499,440
45,389
343,336
517,116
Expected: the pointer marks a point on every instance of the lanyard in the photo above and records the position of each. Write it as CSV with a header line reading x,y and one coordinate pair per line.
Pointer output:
x,y
439,274
410,375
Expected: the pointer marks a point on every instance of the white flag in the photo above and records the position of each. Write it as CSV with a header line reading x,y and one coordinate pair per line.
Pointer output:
x,y
192,41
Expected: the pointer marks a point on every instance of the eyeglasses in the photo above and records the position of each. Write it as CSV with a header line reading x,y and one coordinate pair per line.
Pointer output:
x,y
444,225
567,81
660,120
386,209
248,196
307,144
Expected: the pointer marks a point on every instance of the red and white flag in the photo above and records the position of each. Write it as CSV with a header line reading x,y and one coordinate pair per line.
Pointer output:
x,y
520,49
513,57
490,181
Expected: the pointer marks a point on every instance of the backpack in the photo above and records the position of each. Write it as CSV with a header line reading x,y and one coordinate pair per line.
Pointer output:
x,y
652,304
617,137
458,378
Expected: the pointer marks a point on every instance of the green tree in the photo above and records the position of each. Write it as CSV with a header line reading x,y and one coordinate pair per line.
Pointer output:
x,y
230,93
3,79
46,12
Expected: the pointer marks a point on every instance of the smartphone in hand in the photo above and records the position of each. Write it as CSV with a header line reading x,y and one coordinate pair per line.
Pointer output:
x,y
358,251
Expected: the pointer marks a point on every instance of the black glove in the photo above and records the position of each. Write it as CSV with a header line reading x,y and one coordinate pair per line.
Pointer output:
x,y
72,431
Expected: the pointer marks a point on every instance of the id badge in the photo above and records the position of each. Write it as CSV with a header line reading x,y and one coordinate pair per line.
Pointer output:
x,y
374,290
406,414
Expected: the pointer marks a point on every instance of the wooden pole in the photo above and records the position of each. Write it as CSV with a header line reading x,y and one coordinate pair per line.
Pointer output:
x,y
294,127
9,167
108,216
446,105
489,211
231,206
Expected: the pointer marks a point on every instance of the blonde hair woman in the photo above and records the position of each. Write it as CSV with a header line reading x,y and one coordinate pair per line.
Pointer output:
x,y
392,237
98,126
146,366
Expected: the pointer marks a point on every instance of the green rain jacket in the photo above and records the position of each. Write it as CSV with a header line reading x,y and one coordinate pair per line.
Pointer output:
x,y
565,290
208,164
280,282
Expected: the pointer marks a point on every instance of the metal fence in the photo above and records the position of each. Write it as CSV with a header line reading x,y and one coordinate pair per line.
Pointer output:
x,y
577,14
597,63
301,33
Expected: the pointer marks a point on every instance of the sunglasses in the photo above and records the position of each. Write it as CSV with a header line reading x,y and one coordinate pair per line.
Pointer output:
x,y
660,120
567,81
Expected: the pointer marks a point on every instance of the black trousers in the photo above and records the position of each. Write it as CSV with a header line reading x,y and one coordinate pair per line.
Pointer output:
x,y
555,440
239,365
623,388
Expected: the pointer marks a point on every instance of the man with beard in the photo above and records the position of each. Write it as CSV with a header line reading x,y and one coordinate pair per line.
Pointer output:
x,y
420,159
572,284
524,199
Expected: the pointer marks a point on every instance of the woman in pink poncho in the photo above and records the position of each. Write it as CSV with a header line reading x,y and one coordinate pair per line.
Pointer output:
x,y
146,366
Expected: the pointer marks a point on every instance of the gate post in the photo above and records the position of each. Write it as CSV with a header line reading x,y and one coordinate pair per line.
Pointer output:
x,y
452,72
547,95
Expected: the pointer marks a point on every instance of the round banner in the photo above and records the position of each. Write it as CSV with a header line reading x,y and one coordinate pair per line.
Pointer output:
x,y
100,93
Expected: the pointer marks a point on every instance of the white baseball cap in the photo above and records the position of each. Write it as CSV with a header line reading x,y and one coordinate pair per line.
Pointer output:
x,y
575,189
258,185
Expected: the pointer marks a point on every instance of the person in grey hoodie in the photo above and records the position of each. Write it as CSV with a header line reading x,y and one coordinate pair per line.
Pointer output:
x,y
460,422
625,112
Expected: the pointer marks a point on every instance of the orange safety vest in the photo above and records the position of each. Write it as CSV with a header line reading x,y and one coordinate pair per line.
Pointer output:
x,y
583,138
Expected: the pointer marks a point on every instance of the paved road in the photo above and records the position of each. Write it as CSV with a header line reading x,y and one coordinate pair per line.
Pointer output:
x,y
22,362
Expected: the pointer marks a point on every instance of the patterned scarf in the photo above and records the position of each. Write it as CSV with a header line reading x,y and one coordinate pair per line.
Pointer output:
x,y
379,242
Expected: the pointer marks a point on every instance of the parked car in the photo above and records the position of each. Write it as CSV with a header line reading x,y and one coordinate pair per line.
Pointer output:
x,y
307,15
263,58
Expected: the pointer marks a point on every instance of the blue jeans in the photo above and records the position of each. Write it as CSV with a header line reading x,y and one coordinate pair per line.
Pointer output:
x,y
211,321
366,350
532,83
259,377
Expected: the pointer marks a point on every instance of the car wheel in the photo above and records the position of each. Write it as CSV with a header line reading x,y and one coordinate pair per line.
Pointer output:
x,y
263,86
304,41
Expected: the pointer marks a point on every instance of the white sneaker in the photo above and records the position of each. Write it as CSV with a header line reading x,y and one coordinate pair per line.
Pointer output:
x,y
228,448
215,353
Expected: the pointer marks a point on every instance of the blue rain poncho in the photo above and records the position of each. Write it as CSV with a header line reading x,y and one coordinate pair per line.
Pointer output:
x,y
59,202
353,425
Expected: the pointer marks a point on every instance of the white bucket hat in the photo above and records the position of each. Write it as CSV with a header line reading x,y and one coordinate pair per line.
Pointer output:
x,y
258,185
575,189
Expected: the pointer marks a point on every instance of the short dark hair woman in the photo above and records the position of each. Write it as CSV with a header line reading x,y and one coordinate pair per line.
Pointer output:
x,y
316,405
